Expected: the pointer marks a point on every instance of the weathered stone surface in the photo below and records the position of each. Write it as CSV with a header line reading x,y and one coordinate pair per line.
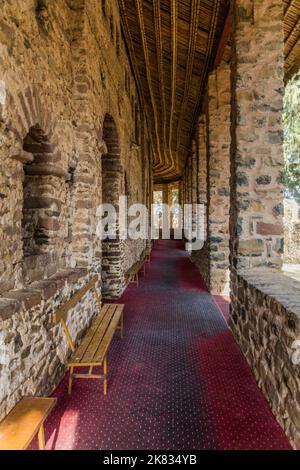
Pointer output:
x,y
53,102
256,151
214,182
265,319
27,299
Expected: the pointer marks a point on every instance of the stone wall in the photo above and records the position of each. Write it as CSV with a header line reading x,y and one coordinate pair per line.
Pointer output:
x,y
64,68
265,320
214,163
33,350
56,76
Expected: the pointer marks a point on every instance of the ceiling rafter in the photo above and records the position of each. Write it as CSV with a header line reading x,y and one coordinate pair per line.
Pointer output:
x,y
172,44
295,38
289,6
148,71
174,40
210,42
129,41
195,10
158,39
159,49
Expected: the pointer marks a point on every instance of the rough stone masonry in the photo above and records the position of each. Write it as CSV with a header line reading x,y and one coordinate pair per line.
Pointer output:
x,y
65,74
265,305
240,175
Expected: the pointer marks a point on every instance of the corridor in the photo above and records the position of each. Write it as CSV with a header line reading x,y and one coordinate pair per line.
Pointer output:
x,y
177,380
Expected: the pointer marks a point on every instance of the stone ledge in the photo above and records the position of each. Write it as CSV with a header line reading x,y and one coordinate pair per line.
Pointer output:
x,y
27,298
8,308
13,301
284,290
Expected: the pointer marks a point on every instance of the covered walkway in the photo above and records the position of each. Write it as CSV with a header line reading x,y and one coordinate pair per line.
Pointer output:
x,y
178,380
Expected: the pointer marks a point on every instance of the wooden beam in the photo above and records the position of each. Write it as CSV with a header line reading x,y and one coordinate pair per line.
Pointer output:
x,y
224,40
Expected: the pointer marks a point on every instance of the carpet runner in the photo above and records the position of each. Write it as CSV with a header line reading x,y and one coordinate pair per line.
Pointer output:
x,y
177,381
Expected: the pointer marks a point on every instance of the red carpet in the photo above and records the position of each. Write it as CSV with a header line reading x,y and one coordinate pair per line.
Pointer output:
x,y
177,380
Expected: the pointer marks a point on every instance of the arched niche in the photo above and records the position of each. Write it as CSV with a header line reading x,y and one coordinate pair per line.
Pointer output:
x,y
42,188
112,188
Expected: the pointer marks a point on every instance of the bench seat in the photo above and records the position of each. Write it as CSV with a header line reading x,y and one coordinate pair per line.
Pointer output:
x,y
93,347
133,272
24,422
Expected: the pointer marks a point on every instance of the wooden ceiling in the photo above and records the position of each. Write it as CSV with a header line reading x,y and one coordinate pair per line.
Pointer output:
x,y
291,36
172,45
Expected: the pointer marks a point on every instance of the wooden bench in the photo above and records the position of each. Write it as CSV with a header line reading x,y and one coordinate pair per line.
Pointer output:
x,y
92,350
133,272
147,252
24,422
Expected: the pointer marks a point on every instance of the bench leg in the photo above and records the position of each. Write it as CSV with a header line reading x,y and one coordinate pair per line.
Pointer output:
x,y
144,269
137,280
70,380
41,438
105,376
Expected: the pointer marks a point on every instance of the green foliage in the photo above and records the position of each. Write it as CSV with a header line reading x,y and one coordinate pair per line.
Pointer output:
x,y
291,121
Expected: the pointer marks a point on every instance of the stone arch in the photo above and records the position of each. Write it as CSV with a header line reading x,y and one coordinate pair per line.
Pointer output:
x,y
112,186
31,126
41,193
111,163
24,111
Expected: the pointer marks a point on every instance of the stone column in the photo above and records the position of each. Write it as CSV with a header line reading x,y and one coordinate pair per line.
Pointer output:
x,y
194,182
202,257
257,151
194,172
202,157
219,109
186,189
190,179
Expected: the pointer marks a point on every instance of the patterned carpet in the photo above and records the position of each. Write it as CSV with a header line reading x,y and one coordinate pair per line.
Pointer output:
x,y
177,380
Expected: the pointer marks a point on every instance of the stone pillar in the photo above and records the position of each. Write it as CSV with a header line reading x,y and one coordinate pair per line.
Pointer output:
x,y
185,186
194,165
202,160
219,109
257,151
202,257
194,182
190,179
